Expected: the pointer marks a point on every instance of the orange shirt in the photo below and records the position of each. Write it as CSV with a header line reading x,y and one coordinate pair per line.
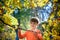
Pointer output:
x,y
29,35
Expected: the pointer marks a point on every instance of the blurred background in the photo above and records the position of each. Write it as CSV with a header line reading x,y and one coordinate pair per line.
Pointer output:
x,y
17,13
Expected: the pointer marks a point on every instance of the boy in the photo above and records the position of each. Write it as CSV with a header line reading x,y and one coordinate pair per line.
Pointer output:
x,y
34,33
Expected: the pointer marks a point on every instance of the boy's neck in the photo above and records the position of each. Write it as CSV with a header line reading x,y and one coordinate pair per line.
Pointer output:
x,y
34,29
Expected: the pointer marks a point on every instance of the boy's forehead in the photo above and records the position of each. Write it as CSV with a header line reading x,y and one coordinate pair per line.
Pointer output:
x,y
34,22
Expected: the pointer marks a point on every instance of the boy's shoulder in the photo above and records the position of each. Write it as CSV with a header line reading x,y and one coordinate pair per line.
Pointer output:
x,y
38,31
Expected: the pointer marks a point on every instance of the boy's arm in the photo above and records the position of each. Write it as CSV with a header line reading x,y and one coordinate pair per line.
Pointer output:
x,y
40,35
20,35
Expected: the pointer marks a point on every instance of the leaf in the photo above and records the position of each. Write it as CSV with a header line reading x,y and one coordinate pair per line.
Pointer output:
x,y
9,19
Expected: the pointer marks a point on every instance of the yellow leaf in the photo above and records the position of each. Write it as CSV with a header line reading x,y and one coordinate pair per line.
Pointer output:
x,y
8,19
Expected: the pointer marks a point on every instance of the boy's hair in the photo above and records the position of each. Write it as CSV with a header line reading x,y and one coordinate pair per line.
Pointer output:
x,y
34,20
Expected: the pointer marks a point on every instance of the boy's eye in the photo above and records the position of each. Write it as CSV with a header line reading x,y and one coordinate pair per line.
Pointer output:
x,y
34,23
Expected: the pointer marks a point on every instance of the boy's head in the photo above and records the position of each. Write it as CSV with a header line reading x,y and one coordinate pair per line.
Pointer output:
x,y
34,22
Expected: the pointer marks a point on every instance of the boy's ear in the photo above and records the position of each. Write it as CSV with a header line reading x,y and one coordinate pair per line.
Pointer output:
x,y
37,24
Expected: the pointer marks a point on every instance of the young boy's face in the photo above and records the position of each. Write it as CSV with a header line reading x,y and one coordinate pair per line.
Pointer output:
x,y
33,25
